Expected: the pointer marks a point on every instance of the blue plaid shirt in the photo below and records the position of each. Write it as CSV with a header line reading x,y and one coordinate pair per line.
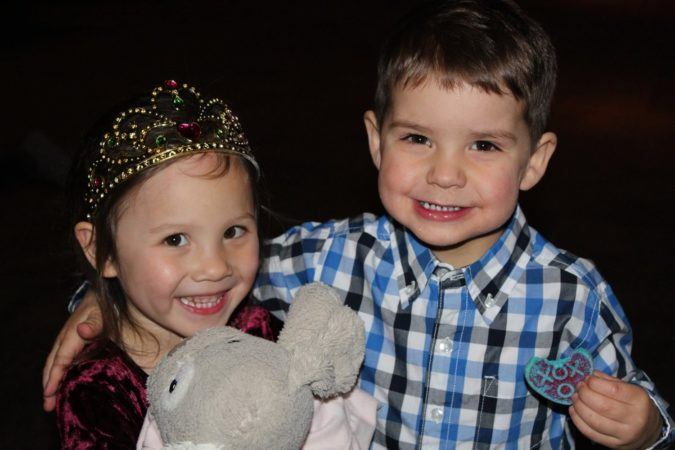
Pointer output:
x,y
446,348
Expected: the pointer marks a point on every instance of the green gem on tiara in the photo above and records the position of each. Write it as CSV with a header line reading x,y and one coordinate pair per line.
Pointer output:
x,y
160,140
220,133
177,101
111,142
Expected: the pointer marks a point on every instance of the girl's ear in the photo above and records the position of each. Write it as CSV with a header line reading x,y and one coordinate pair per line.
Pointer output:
x,y
84,233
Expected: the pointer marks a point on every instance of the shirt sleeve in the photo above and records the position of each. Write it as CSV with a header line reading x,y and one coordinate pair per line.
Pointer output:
x,y
78,296
289,261
612,355
99,407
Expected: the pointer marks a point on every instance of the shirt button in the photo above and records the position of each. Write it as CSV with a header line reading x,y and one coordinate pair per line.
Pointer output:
x,y
410,289
490,301
437,415
445,345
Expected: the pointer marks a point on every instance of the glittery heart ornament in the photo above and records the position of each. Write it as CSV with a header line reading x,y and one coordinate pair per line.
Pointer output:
x,y
556,379
191,130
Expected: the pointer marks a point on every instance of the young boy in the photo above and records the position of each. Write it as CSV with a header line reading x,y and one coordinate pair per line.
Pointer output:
x,y
456,290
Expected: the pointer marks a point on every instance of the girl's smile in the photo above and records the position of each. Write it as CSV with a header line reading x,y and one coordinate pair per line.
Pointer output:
x,y
204,304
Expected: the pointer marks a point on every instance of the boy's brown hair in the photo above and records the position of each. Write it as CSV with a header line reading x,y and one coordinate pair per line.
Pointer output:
x,y
489,44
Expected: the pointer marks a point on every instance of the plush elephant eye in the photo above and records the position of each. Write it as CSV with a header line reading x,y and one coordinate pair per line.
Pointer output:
x,y
178,386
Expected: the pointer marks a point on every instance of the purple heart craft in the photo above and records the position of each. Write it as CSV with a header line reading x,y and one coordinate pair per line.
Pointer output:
x,y
557,379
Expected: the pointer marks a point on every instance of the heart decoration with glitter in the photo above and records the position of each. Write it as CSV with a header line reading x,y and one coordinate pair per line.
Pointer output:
x,y
556,379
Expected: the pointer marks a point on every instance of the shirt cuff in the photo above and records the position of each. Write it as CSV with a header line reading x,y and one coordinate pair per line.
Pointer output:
x,y
667,435
78,296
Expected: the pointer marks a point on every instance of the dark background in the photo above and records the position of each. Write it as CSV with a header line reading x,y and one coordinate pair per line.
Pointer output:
x,y
300,74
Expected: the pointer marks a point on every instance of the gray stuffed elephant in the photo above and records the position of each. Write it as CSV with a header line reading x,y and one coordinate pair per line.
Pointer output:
x,y
225,389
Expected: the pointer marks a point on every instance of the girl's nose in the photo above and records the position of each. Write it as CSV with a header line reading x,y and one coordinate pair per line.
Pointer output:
x,y
212,266
446,169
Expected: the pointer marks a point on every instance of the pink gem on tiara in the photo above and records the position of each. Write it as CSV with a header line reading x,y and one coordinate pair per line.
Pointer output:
x,y
171,84
191,131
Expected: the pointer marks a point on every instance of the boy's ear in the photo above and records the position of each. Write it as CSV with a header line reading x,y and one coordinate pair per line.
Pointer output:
x,y
536,166
373,130
84,233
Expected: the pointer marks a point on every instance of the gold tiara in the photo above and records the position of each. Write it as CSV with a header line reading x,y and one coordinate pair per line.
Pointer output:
x,y
174,121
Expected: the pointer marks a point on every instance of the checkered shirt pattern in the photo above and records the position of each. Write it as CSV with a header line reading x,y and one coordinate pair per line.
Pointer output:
x,y
446,348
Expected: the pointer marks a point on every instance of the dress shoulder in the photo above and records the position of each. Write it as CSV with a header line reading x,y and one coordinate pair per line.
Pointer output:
x,y
102,400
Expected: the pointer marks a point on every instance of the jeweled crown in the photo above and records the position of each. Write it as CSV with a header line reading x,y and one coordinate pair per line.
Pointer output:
x,y
175,121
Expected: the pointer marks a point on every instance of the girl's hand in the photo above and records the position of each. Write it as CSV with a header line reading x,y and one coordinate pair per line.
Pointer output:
x,y
614,413
84,324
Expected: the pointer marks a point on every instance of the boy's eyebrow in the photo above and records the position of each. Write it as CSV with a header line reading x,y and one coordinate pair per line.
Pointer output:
x,y
500,134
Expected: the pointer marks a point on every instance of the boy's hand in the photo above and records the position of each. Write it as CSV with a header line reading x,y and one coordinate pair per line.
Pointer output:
x,y
614,413
84,324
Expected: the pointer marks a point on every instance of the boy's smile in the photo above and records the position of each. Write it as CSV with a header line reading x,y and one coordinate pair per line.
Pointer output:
x,y
451,162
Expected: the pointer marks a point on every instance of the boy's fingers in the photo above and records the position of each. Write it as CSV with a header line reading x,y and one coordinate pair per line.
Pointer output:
x,y
91,328
614,388
600,374
604,406
596,418
590,432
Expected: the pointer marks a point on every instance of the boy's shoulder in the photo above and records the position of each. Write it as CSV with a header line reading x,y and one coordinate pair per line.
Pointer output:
x,y
548,256
380,227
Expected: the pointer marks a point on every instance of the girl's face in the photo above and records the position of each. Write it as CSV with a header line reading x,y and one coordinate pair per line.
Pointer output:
x,y
187,246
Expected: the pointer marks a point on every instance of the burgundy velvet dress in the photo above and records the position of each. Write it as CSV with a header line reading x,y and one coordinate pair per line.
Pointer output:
x,y
102,399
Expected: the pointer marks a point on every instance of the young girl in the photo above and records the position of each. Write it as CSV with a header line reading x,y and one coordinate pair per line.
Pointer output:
x,y
165,211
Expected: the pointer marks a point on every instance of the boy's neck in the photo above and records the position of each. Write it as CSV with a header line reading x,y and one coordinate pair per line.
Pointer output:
x,y
468,252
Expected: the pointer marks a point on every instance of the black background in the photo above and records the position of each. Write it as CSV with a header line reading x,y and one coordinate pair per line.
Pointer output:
x,y
300,74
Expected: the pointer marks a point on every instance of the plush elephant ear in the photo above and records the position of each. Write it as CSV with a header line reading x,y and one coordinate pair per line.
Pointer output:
x,y
325,341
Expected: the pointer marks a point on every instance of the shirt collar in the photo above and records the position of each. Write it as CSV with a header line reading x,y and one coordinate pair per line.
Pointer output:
x,y
417,263
489,280
492,278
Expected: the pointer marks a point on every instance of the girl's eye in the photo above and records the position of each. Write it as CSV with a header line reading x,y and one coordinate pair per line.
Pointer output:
x,y
484,146
234,232
176,240
417,139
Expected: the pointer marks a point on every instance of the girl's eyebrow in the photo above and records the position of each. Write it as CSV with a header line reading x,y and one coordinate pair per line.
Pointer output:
x,y
183,225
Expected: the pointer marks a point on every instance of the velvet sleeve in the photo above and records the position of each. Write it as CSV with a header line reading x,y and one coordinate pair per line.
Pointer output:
x,y
101,404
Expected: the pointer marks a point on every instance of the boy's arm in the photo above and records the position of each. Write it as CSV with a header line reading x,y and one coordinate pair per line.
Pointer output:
x,y
625,412
288,262
84,324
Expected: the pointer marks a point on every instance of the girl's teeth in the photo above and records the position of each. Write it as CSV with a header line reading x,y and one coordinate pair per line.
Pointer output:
x,y
434,207
201,302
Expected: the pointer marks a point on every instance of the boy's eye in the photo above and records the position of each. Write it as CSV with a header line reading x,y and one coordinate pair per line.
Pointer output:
x,y
234,232
484,146
176,240
417,139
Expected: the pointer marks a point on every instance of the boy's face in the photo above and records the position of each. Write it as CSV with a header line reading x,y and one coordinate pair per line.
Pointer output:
x,y
451,163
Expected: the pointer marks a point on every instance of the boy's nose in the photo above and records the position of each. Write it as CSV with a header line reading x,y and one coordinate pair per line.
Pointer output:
x,y
446,170
212,266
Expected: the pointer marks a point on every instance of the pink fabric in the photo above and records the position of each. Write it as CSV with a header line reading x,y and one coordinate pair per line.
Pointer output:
x,y
341,423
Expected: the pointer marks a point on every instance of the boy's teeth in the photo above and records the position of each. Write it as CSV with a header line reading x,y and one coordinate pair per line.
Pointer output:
x,y
434,207
201,302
